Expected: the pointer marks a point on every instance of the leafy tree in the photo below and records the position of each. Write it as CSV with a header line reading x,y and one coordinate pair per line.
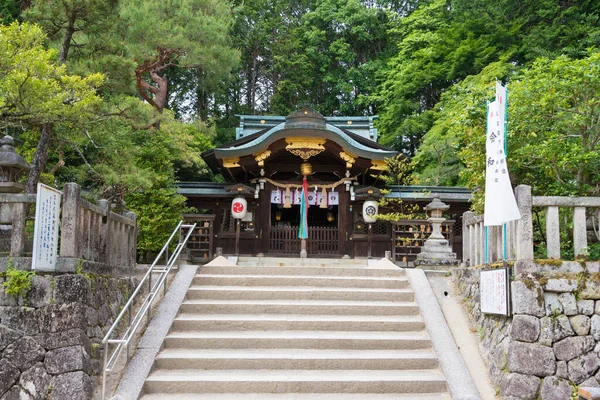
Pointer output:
x,y
191,33
37,93
9,11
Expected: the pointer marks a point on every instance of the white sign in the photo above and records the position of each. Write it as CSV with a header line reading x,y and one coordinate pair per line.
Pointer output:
x,y
494,291
45,237
278,197
500,203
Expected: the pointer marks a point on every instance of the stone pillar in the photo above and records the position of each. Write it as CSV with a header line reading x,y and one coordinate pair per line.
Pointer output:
x,y
105,232
131,239
70,235
524,225
553,232
17,242
467,237
579,232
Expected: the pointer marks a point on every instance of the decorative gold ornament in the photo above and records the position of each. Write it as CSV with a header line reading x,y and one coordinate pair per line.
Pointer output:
x,y
261,157
305,147
379,165
231,162
349,158
306,169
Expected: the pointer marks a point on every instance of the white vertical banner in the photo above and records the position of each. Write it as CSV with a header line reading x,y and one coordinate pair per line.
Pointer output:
x,y
500,202
45,236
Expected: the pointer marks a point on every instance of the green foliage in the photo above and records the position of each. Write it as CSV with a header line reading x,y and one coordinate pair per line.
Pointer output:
x,y
18,282
34,90
9,11
159,210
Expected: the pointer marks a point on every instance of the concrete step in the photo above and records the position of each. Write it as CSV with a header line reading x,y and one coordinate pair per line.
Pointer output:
x,y
331,270
297,381
305,359
295,396
296,322
301,280
297,292
315,307
361,340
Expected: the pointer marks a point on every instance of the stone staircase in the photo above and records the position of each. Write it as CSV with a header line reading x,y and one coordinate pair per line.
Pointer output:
x,y
330,329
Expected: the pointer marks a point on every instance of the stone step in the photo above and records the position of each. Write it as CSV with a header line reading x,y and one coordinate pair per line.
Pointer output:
x,y
318,307
330,270
350,340
301,280
301,262
304,359
295,396
297,381
296,322
297,292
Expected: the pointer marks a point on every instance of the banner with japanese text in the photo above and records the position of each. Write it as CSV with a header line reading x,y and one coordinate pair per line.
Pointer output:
x,y
45,236
500,203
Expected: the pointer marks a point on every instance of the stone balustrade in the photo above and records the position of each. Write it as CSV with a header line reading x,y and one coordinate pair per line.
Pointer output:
x,y
88,232
517,236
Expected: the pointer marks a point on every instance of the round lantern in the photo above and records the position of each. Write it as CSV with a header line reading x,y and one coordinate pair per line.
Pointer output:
x,y
370,208
239,207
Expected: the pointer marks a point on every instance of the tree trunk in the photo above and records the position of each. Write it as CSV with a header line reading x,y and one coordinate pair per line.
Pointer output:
x,y
66,44
39,159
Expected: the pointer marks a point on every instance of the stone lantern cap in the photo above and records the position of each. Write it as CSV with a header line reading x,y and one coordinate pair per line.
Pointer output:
x,y
436,204
9,157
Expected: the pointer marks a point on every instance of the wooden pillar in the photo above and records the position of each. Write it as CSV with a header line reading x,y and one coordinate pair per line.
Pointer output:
x,y
264,218
237,237
370,238
344,223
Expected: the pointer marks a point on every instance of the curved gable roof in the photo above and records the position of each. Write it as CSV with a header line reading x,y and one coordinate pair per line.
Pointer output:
x,y
285,130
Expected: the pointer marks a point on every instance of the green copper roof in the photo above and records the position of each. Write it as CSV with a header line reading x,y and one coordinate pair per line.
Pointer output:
x,y
327,131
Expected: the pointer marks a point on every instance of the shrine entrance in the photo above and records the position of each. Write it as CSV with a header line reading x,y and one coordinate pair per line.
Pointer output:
x,y
323,231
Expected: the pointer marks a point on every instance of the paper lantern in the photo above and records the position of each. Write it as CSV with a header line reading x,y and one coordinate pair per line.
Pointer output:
x,y
239,207
370,209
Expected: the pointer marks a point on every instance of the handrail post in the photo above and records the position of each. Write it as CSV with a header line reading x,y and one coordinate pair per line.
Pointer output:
x,y
104,370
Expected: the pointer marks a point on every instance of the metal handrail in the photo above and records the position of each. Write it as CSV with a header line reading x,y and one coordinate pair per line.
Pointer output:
x,y
135,321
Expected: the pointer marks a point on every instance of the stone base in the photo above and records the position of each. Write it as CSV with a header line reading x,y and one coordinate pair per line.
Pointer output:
x,y
436,263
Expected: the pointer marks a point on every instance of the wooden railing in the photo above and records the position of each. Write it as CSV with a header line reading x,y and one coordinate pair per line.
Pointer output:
x,y
284,240
321,240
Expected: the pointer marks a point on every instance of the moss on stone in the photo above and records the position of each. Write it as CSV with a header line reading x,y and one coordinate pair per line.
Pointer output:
x,y
548,261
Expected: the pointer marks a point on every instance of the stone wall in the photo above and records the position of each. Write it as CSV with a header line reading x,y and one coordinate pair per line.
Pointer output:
x,y
551,344
493,330
50,337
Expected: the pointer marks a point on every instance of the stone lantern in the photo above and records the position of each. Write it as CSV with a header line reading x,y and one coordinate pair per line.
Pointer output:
x,y
436,250
12,165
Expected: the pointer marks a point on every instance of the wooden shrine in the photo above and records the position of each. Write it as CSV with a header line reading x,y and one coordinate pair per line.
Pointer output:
x,y
340,159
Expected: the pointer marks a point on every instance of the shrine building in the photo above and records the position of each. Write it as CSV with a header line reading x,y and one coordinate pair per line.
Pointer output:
x,y
343,165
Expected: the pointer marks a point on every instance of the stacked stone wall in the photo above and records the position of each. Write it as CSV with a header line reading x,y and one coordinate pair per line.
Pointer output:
x,y
551,344
50,337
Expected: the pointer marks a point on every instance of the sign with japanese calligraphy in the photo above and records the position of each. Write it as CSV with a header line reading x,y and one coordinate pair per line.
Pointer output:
x,y
494,287
47,219
500,202
333,198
